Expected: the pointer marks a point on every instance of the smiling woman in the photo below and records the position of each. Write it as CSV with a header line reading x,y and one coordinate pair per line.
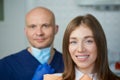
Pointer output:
x,y
84,51
1,10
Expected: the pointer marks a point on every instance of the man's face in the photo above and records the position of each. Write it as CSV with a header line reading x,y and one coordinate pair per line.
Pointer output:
x,y
40,29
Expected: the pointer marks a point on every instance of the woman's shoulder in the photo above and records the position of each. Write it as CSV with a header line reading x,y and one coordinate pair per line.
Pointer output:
x,y
57,76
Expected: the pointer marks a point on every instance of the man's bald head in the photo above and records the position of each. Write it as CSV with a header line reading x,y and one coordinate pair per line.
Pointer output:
x,y
42,11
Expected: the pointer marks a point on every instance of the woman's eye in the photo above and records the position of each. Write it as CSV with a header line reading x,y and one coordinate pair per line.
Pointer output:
x,y
89,41
73,42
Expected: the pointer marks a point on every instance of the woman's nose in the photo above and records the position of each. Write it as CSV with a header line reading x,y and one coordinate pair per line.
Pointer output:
x,y
81,47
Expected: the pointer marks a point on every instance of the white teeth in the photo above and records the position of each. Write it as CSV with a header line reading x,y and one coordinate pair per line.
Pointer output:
x,y
82,56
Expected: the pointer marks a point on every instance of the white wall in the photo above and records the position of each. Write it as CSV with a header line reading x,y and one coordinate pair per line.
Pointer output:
x,y
12,37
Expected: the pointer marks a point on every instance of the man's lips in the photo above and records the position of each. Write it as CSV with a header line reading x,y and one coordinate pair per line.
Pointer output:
x,y
39,40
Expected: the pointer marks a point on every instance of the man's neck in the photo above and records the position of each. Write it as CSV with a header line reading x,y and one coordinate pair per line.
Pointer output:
x,y
52,52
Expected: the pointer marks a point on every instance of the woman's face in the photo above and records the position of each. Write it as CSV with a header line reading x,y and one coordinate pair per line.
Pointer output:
x,y
82,48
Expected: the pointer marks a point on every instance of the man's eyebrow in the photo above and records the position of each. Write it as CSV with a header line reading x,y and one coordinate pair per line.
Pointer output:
x,y
29,25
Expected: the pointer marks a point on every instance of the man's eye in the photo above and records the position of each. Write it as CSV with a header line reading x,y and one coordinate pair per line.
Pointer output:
x,y
45,25
32,26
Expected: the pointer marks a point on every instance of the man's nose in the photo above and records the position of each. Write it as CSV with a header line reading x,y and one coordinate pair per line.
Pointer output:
x,y
39,31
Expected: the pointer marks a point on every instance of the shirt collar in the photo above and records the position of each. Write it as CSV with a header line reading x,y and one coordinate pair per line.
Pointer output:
x,y
79,74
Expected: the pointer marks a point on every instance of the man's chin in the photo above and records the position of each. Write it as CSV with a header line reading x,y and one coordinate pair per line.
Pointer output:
x,y
41,47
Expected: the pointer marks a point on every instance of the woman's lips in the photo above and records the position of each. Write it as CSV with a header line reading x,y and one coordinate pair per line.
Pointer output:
x,y
82,57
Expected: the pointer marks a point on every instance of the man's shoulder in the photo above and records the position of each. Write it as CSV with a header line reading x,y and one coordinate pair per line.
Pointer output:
x,y
12,57
18,61
58,52
58,55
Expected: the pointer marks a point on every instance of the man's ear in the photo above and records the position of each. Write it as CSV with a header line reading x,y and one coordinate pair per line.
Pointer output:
x,y
56,29
25,30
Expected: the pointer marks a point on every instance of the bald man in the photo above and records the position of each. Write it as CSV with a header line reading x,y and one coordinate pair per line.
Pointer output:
x,y
40,31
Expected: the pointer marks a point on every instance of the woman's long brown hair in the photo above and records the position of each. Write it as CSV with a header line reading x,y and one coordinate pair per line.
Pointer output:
x,y
101,65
